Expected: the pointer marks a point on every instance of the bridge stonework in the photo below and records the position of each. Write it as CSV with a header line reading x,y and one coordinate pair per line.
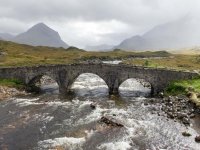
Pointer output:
x,y
113,75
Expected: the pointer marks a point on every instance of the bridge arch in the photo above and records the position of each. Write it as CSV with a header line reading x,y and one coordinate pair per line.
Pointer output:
x,y
135,87
97,82
34,84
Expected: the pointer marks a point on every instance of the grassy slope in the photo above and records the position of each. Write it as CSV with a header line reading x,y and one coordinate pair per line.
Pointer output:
x,y
24,55
181,87
12,83
179,62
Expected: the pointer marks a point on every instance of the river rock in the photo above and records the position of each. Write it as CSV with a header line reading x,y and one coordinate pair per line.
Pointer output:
x,y
110,122
186,134
197,139
93,105
161,95
178,108
181,115
8,92
186,121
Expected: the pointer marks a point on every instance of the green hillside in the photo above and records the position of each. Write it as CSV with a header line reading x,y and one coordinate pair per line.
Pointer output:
x,y
12,54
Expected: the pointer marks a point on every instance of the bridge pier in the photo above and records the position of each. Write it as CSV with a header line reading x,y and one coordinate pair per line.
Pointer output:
x,y
113,91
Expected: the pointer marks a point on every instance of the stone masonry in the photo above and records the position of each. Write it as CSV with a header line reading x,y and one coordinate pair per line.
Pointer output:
x,y
113,75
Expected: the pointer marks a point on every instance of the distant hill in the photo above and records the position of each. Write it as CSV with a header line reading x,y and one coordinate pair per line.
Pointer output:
x,y
6,36
40,35
103,47
181,33
189,51
15,54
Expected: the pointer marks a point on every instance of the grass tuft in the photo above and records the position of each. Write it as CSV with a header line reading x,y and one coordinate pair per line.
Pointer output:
x,y
13,83
182,86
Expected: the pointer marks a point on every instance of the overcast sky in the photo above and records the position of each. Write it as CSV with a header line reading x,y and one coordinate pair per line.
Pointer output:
x,y
93,22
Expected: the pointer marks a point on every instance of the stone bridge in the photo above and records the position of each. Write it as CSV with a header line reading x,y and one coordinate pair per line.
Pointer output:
x,y
113,75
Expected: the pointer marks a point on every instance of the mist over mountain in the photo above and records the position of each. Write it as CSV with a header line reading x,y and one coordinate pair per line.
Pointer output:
x,y
6,36
40,35
103,47
181,33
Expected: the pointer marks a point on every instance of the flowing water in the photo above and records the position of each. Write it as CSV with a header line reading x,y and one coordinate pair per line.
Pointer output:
x,y
49,121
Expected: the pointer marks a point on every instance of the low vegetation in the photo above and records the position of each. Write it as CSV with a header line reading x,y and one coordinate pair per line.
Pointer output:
x,y
13,83
176,61
12,54
182,86
190,88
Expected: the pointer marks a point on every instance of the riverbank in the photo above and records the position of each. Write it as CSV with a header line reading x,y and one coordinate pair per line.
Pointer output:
x,y
9,92
177,109
189,88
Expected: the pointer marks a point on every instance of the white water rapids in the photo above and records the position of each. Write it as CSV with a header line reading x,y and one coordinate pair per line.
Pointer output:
x,y
49,121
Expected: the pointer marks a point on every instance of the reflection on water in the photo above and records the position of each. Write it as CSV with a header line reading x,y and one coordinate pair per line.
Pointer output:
x,y
48,121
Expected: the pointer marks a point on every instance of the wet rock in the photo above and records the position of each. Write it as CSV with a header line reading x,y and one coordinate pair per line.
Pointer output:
x,y
151,100
170,115
186,134
161,95
178,108
110,122
181,115
146,103
93,106
192,116
197,139
186,121
198,95
180,99
8,92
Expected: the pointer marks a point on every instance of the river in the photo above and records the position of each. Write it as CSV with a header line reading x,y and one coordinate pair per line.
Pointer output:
x,y
49,121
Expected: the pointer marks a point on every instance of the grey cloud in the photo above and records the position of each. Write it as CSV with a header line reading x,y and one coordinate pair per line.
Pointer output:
x,y
141,15
124,10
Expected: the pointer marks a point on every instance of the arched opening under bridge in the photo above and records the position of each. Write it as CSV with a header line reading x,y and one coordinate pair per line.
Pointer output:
x,y
89,84
43,84
135,88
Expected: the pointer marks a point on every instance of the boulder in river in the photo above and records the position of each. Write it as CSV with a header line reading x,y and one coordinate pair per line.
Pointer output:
x,y
110,122
197,139
93,105
186,134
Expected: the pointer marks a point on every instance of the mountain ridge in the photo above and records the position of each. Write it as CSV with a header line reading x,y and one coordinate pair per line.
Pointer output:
x,y
38,35
181,33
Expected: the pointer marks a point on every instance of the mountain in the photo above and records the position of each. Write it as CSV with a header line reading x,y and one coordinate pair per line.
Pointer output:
x,y
182,33
103,47
6,36
40,35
